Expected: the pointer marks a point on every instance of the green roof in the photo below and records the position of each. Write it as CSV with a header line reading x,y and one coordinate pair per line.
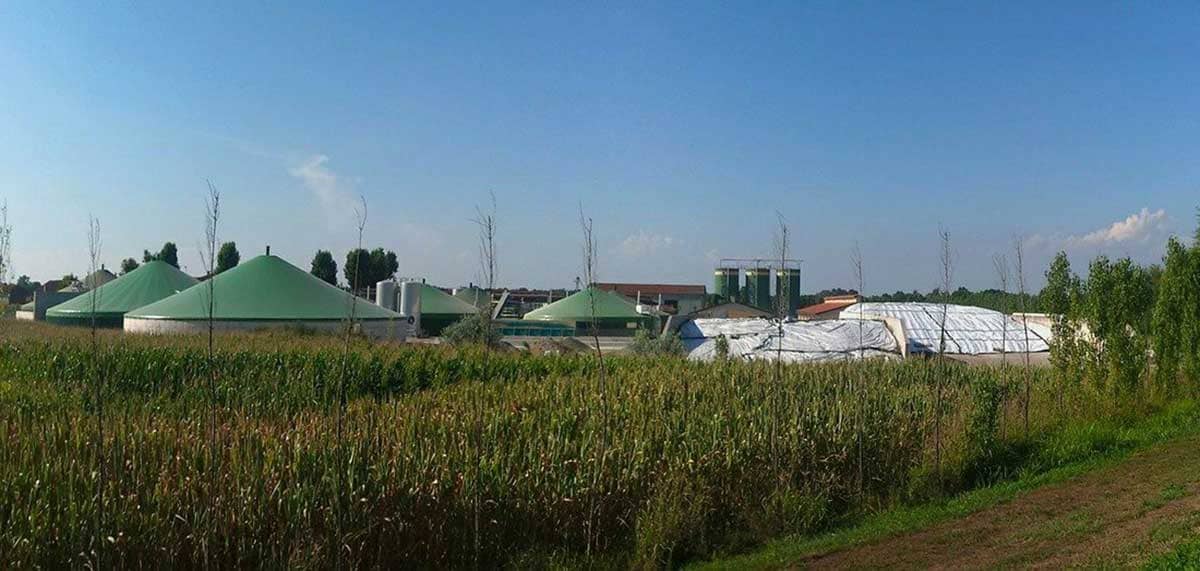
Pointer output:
x,y
435,301
143,286
474,296
28,306
265,288
578,307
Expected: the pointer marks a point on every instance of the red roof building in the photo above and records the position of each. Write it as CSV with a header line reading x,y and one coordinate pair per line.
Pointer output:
x,y
830,308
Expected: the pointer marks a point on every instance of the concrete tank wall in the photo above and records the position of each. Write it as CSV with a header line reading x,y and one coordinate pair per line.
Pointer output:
x,y
397,330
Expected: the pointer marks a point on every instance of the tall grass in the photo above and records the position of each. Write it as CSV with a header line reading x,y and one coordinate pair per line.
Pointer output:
x,y
693,465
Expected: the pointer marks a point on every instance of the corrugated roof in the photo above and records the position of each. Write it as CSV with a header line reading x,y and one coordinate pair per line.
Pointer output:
x,y
266,288
578,307
631,290
150,283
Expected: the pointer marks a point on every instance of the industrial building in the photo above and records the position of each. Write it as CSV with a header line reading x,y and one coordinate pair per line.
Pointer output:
x,y
674,299
607,312
44,300
109,303
756,289
265,292
431,308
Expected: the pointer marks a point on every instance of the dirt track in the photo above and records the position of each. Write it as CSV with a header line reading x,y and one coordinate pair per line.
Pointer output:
x,y
1115,517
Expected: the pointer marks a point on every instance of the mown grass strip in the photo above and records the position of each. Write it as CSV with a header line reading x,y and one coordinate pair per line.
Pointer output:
x,y
1177,421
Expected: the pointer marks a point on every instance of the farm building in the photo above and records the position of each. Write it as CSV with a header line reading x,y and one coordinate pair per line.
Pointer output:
x,y
830,308
614,314
98,278
262,293
150,283
969,330
802,341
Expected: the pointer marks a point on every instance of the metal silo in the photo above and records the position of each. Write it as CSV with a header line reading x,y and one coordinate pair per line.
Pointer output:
x,y
787,282
726,283
758,287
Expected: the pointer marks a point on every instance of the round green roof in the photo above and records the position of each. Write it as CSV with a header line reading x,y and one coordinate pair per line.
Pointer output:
x,y
578,307
150,283
265,288
437,302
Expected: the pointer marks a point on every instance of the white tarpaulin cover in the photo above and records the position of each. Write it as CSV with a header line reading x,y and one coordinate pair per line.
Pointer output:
x,y
969,330
802,340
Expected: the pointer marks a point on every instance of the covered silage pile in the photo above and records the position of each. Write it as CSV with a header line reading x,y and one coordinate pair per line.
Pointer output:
x,y
802,341
969,330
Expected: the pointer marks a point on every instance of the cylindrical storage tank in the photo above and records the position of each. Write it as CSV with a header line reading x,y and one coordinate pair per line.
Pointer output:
x,y
758,287
385,294
787,283
410,303
727,284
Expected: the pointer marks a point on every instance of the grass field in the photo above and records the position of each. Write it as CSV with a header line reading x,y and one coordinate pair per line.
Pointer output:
x,y
444,457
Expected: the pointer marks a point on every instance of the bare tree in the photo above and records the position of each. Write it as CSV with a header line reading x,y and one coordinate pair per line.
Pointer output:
x,y
94,249
782,241
5,244
946,255
208,258
589,279
1000,263
360,216
486,223
1019,246
856,264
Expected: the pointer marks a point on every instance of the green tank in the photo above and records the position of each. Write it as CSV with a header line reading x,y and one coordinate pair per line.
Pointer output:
x,y
787,283
726,283
758,287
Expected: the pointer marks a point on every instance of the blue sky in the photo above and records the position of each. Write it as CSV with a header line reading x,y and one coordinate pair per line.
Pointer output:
x,y
681,128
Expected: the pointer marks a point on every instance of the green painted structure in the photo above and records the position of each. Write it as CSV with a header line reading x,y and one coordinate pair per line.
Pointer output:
x,y
266,289
787,283
758,287
614,313
152,282
440,309
475,296
727,283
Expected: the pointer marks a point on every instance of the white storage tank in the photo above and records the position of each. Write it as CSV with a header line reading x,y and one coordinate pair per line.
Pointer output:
x,y
385,294
410,303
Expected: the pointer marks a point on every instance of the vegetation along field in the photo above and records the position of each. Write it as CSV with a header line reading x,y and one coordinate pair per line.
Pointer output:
x,y
465,457
298,450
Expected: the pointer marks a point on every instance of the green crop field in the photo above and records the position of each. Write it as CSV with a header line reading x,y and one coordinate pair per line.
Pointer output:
x,y
134,455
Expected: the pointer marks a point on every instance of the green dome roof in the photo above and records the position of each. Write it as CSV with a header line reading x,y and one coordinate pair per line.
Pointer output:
x,y
265,288
578,307
474,296
143,286
435,302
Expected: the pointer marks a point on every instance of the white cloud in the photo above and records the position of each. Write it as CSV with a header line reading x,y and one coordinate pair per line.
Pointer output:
x,y
1136,227
327,187
643,243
